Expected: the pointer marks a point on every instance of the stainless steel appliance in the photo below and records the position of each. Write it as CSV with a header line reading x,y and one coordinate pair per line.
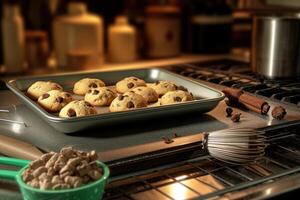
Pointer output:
x,y
163,159
276,46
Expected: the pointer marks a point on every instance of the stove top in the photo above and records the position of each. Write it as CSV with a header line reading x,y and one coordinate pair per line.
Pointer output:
x,y
237,74
169,146
115,142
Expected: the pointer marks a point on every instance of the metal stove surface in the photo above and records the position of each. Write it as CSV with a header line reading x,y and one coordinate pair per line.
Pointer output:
x,y
238,74
124,140
145,166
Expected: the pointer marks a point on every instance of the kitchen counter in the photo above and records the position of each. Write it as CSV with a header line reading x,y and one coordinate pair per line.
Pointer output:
x,y
121,66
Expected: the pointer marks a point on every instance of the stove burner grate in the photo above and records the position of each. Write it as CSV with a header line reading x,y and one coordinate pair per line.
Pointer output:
x,y
237,74
205,177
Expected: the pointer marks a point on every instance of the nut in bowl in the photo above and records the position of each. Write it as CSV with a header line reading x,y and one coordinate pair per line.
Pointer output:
x,y
63,182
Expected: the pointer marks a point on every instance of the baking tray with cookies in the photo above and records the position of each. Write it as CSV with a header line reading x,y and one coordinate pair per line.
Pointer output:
x,y
77,101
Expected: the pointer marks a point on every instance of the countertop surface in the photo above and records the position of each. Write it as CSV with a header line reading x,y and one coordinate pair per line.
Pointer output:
x,y
121,66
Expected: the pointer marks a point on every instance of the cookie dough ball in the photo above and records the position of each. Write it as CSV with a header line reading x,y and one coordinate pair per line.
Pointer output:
x,y
175,97
82,86
38,88
162,87
148,93
102,96
54,100
127,101
77,108
129,83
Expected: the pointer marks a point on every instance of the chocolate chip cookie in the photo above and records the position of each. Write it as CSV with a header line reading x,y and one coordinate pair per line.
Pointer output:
x,y
129,83
162,87
176,96
40,87
54,100
77,108
127,101
102,96
148,93
82,86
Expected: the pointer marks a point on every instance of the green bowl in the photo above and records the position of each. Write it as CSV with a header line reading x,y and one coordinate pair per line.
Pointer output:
x,y
91,191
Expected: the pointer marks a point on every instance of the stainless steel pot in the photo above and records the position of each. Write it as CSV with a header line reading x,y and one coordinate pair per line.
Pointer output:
x,y
275,49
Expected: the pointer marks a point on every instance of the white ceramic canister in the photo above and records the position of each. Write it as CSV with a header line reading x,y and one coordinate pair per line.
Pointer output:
x,y
162,31
122,41
78,38
13,39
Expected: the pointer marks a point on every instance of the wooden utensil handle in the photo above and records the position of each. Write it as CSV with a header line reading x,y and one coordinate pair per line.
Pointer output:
x,y
18,149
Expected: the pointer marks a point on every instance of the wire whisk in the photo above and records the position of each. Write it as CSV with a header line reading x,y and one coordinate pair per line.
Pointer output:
x,y
235,146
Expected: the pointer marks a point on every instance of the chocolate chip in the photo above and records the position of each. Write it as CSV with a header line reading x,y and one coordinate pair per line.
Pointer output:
x,y
265,108
96,92
59,99
94,85
57,87
87,104
68,95
167,140
89,91
120,97
181,88
135,79
177,99
45,96
236,117
229,111
139,89
130,85
278,112
130,104
156,82
71,113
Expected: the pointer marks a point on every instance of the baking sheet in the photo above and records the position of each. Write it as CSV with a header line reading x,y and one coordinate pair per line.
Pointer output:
x,y
206,98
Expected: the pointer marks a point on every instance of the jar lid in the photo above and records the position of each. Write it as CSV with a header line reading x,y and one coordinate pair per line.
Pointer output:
x,y
36,35
167,10
121,20
76,8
